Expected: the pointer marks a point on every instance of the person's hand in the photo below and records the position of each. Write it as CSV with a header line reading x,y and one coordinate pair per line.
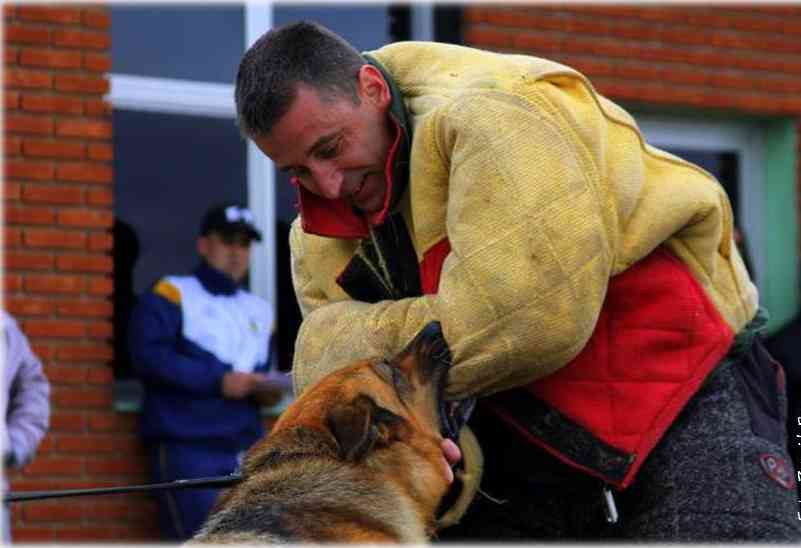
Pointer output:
x,y
237,385
452,455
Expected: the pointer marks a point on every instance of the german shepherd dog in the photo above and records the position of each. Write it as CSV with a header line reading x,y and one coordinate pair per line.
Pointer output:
x,y
356,458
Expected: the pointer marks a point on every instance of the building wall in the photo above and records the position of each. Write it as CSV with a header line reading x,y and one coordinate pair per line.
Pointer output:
x,y
58,269
738,59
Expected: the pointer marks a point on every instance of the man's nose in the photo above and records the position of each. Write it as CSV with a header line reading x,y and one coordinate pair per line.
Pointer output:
x,y
328,180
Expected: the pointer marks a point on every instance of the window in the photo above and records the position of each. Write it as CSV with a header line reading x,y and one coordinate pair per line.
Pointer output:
x,y
754,160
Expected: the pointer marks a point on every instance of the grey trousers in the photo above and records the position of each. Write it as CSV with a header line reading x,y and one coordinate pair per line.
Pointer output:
x,y
707,480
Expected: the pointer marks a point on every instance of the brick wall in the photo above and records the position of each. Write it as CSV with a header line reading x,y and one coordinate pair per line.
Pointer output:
x,y
58,268
744,58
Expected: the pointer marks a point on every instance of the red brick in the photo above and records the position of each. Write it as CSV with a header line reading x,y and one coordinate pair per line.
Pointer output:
x,y
11,55
70,83
86,309
48,58
66,374
84,263
63,421
12,191
44,351
90,533
30,215
29,261
79,398
28,79
97,19
58,466
55,283
42,237
52,104
98,107
97,62
52,194
52,512
55,328
113,423
84,172
12,282
101,241
33,171
91,129
29,306
21,34
13,146
53,149
85,353
18,123
100,376
88,443
81,39
11,99
108,511
101,151
9,11
12,237
101,330
25,533
88,218
48,14
95,196
116,467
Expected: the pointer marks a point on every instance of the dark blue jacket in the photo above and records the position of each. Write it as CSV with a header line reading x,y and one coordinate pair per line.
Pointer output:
x,y
183,382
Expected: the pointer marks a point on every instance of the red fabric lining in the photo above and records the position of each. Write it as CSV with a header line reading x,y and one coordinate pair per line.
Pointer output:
x,y
336,218
657,338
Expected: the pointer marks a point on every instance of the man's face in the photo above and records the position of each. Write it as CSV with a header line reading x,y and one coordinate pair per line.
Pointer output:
x,y
335,148
229,254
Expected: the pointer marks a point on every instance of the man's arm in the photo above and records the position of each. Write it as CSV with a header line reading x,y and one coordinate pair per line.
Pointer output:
x,y
153,337
531,254
28,414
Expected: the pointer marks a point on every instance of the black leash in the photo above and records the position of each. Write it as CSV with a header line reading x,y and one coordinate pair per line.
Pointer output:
x,y
217,481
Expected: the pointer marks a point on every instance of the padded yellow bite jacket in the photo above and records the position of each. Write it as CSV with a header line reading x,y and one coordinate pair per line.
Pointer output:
x,y
543,232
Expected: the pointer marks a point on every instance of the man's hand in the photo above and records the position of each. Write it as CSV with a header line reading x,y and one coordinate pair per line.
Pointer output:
x,y
237,385
452,456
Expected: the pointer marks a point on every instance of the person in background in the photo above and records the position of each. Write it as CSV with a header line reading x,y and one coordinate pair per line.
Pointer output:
x,y
587,283
26,402
201,344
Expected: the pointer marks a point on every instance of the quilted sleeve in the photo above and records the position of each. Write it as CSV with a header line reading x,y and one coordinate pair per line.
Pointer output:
x,y
530,256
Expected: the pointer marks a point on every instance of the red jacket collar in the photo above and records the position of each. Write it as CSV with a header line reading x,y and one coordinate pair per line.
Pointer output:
x,y
336,218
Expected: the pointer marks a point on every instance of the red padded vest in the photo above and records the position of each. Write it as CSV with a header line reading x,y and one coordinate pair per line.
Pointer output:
x,y
657,338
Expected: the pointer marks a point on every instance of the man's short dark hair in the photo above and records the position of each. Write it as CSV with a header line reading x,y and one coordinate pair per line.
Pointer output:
x,y
271,69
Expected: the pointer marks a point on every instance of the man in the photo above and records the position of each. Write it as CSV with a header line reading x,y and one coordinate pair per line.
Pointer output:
x,y
26,403
588,284
201,345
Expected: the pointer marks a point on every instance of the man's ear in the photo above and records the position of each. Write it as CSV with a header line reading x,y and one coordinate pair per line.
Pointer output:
x,y
373,87
360,425
202,246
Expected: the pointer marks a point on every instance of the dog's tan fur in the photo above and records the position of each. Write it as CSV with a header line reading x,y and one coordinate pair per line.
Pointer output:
x,y
356,458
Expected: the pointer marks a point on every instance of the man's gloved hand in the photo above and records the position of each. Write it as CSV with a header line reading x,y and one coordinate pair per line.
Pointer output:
x,y
9,460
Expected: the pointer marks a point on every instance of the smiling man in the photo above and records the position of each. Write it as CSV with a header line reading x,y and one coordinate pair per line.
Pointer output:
x,y
588,284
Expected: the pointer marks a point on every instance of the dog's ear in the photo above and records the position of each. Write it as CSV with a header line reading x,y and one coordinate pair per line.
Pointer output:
x,y
360,425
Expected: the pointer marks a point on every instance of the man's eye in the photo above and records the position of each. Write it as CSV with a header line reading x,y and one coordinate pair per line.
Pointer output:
x,y
331,151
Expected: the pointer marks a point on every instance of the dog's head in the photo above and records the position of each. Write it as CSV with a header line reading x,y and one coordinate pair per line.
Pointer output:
x,y
389,412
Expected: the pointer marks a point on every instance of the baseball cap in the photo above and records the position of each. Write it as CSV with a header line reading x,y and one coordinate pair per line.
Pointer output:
x,y
229,219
